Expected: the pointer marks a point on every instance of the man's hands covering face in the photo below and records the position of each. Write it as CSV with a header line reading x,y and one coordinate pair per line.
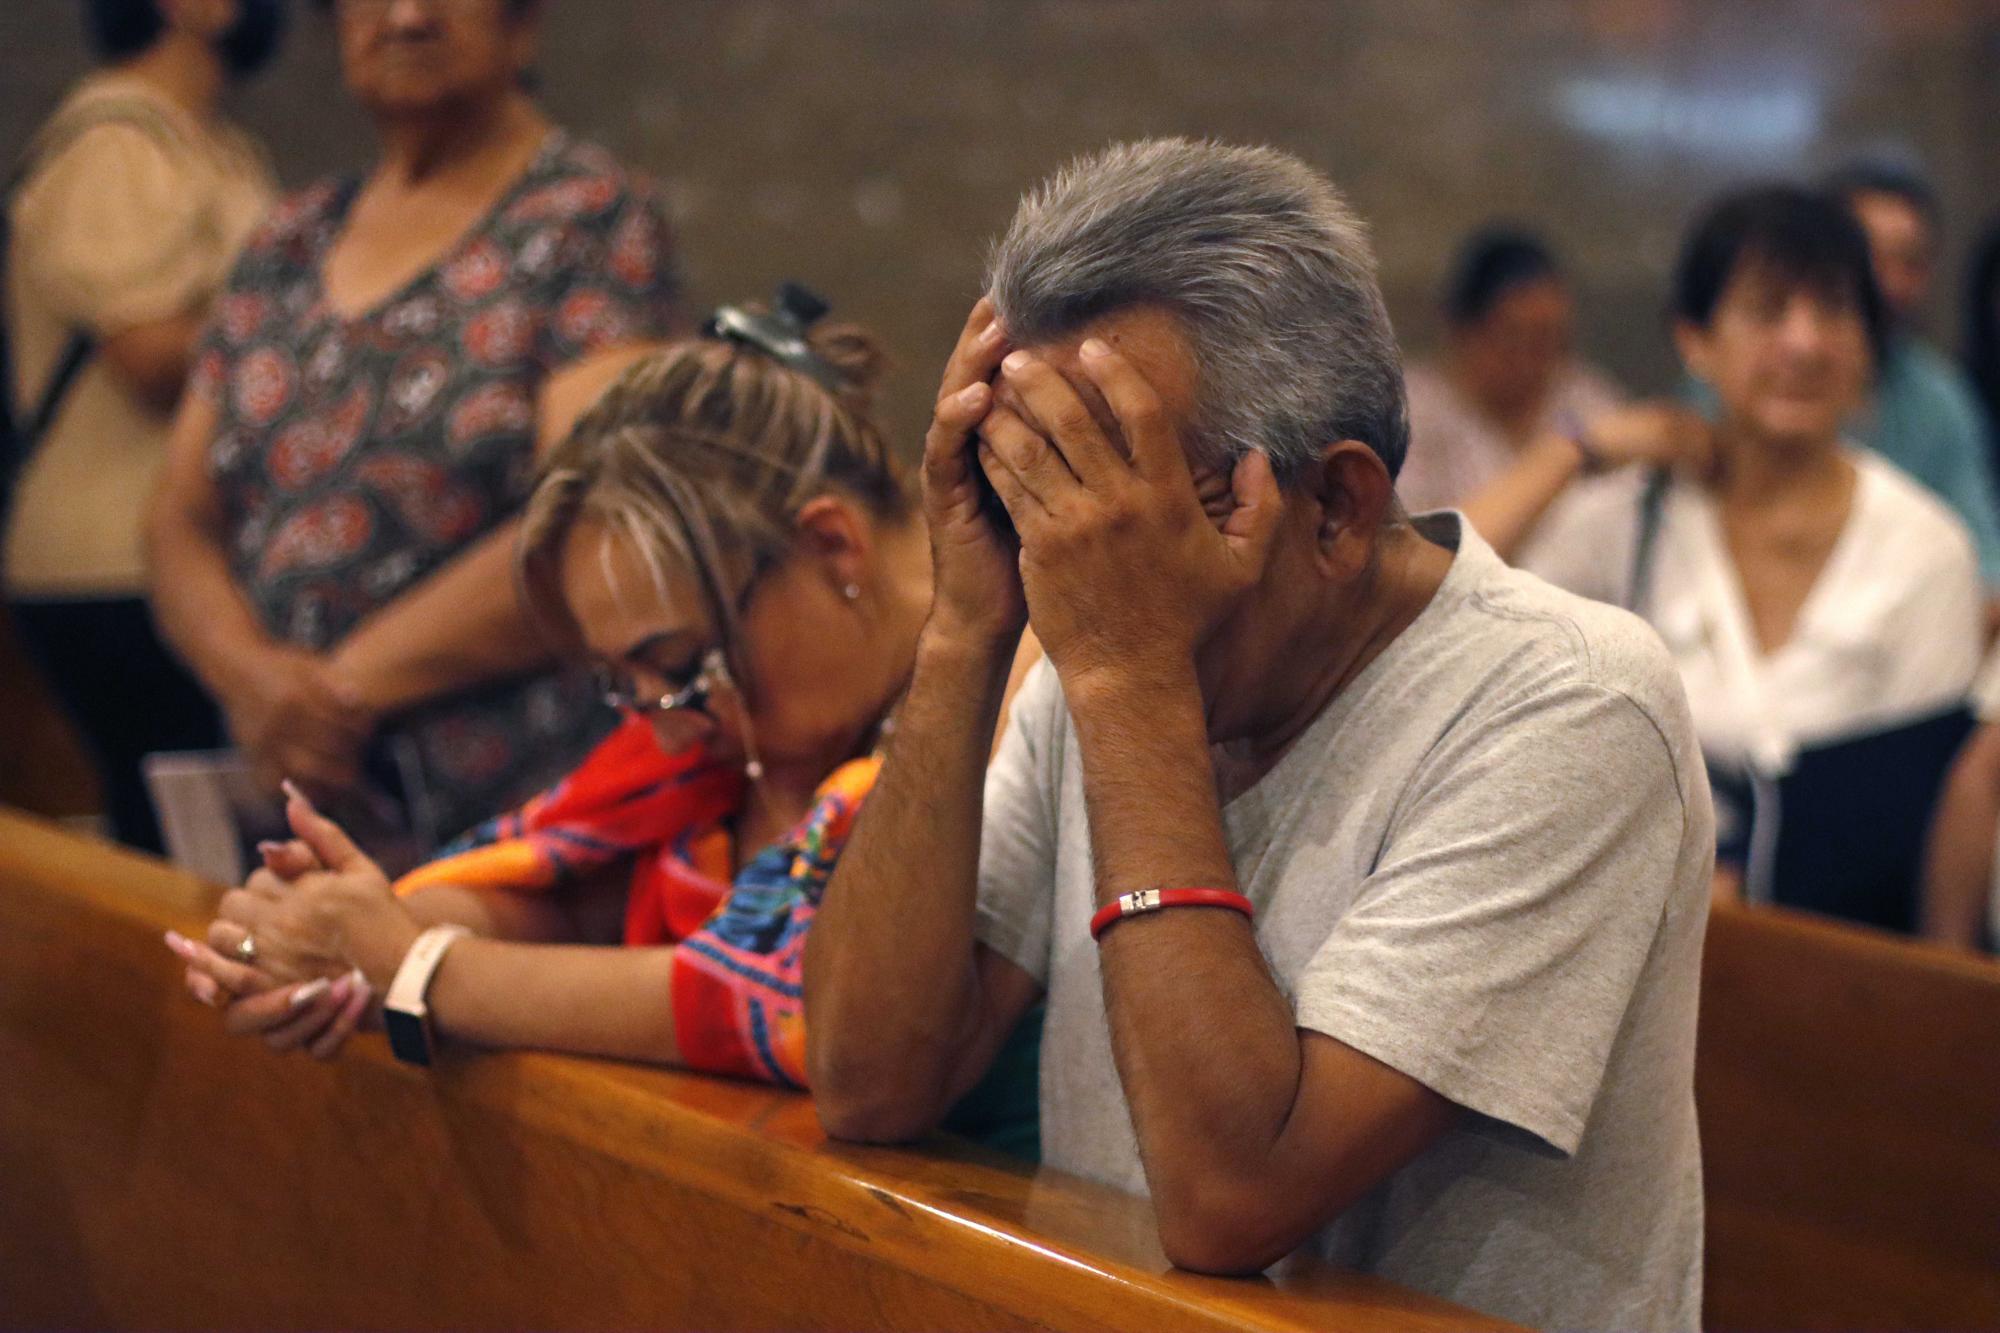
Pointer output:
x,y
1122,567
978,586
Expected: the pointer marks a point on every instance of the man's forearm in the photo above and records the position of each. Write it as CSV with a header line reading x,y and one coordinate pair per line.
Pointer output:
x,y
1206,1044
891,990
463,625
1252,1134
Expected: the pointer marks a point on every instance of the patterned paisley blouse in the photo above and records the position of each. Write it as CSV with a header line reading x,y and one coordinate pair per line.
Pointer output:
x,y
353,457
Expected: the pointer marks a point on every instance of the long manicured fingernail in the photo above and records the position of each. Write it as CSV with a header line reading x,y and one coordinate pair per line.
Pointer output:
x,y
1016,362
180,944
1095,348
309,992
269,848
292,792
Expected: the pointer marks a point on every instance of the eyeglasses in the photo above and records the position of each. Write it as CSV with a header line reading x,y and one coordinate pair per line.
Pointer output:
x,y
690,700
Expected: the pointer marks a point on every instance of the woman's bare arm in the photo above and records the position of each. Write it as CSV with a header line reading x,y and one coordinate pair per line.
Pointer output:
x,y
283,708
1958,871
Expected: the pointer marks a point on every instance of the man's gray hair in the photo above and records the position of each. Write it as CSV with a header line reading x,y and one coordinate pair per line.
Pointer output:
x,y
1268,269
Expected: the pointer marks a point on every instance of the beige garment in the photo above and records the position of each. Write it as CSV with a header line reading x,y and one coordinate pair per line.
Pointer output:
x,y
121,226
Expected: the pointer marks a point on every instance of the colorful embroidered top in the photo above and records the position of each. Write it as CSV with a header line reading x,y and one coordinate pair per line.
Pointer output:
x,y
632,808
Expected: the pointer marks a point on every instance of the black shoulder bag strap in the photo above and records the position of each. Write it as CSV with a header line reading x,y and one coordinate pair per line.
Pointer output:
x,y
1645,549
19,435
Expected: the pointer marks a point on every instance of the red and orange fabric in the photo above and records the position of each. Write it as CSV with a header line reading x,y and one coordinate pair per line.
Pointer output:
x,y
662,818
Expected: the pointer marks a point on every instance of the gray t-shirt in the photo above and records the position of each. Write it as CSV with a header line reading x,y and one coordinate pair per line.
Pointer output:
x,y
1486,864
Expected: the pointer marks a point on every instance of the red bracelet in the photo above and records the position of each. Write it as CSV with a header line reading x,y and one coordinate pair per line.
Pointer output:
x,y
1152,900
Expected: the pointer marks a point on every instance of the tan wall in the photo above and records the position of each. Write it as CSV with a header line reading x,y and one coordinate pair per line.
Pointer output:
x,y
870,147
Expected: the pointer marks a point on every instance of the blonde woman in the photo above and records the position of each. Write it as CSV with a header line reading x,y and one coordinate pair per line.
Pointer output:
x,y
729,539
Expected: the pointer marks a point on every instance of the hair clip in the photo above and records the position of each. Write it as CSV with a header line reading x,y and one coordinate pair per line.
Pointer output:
x,y
779,333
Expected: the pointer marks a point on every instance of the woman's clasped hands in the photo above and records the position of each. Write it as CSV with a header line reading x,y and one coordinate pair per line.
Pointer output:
x,y
299,953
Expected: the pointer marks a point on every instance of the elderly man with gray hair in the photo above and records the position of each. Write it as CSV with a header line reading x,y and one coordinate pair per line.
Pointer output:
x,y
1365,877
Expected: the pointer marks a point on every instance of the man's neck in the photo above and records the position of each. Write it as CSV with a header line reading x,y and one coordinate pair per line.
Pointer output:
x,y
184,70
1333,648
472,139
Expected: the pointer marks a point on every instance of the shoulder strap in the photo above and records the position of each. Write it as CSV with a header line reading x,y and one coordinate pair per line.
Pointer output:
x,y
18,434
1652,505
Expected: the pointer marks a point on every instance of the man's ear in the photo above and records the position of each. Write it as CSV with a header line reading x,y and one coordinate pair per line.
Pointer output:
x,y
833,530
1354,495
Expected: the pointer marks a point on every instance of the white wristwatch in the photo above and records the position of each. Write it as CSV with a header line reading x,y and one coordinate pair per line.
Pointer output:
x,y
403,1012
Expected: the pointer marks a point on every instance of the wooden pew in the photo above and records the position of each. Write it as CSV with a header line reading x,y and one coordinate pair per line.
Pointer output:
x,y
154,1173
1849,1085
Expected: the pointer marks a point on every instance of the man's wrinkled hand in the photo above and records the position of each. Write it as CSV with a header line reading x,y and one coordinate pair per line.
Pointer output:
x,y
1123,565
975,560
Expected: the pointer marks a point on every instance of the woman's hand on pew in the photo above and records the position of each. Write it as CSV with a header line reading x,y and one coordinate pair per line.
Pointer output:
x,y
338,914
318,1015
324,920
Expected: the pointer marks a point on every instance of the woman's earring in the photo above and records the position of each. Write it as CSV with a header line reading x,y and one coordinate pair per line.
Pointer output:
x,y
852,592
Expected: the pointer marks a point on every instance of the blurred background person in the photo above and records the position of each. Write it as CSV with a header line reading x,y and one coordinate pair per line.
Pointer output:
x,y
130,205
1808,589
1961,899
1923,415
1982,332
332,541
1510,417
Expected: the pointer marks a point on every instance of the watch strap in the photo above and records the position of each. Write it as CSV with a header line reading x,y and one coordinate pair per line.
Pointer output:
x,y
404,1012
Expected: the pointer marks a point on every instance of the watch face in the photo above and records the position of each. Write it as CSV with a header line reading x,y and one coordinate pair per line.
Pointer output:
x,y
408,1041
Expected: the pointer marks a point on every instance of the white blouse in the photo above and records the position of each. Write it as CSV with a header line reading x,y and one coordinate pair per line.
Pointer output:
x,y
1890,631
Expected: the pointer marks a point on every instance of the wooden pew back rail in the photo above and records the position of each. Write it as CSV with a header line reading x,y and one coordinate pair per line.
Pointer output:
x,y
154,1173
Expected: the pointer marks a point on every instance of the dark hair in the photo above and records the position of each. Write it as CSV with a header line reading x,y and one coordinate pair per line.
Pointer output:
x,y
1874,176
1492,262
118,29
514,8
1806,238
1982,324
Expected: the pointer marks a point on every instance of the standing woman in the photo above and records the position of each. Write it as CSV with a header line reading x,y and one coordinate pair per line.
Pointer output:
x,y
129,208
331,543
1810,592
